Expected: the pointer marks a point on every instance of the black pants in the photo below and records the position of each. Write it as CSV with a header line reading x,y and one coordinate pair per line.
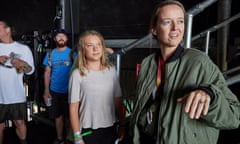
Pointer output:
x,y
101,136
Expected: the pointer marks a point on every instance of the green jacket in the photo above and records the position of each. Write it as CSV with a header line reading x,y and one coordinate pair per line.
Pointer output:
x,y
187,69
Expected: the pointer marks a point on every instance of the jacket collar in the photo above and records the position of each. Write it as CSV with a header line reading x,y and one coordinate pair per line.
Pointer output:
x,y
175,56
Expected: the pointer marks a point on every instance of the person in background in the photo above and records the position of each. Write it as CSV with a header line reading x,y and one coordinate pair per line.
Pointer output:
x,y
16,59
95,94
58,64
181,95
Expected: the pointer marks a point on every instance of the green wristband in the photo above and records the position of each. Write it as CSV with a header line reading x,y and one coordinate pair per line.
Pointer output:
x,y
86,133
46,90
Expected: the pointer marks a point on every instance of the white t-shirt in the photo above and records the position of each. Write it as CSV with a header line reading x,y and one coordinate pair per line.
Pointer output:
x,y
95,92
11,82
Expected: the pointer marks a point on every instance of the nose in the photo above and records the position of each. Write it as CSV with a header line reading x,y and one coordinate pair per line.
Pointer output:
x,y
95,47
174,25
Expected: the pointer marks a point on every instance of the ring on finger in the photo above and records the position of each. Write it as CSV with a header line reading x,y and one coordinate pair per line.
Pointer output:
x,y
201,102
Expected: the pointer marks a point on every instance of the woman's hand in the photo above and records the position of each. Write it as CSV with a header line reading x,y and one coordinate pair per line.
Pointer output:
x,y
196,103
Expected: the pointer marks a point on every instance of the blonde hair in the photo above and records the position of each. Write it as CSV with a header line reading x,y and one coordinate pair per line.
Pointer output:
x,y
81,58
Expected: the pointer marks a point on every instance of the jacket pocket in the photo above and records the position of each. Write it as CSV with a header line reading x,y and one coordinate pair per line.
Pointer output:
x,y
148,119
198,132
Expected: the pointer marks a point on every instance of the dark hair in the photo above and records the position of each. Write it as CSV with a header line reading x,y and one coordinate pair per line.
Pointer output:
x,y
8,23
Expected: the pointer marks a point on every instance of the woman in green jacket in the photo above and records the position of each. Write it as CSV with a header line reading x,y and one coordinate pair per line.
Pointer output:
x,y
181,95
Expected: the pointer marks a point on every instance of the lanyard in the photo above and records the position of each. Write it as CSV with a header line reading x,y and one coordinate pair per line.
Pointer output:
x,y
160,70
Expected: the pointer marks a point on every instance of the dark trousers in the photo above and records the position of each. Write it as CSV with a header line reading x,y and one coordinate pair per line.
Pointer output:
x,y
101,136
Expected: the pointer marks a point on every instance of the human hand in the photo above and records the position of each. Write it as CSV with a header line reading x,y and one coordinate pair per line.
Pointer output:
x,y
82,142
196,103
46,95
79,140
109,51
121,133
16,62
3,59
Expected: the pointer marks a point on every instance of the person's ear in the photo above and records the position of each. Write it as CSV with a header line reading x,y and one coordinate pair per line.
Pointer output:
x,y
54,39
153,31
8,29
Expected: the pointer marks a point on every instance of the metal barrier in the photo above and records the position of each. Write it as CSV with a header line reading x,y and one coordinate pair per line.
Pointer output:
x,y
214,28
232,76
188,38
190,14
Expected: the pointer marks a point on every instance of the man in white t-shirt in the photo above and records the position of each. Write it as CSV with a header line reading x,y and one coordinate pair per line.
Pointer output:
x,y
16,60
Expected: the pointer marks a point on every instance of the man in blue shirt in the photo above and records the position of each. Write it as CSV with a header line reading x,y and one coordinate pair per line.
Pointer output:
x,y
58,64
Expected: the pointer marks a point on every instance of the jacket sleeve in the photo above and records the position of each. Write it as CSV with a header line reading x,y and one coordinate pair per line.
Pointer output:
x,y
224,111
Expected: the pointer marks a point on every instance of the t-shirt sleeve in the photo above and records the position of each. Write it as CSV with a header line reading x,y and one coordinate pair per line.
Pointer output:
x,y
45,60
30,60
74,86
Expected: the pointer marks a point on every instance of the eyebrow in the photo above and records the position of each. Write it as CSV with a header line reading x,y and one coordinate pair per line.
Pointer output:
x,y
171,18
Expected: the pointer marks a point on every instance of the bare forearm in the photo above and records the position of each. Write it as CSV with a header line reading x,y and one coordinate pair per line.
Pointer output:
x,y
46,79
74,119
119,109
